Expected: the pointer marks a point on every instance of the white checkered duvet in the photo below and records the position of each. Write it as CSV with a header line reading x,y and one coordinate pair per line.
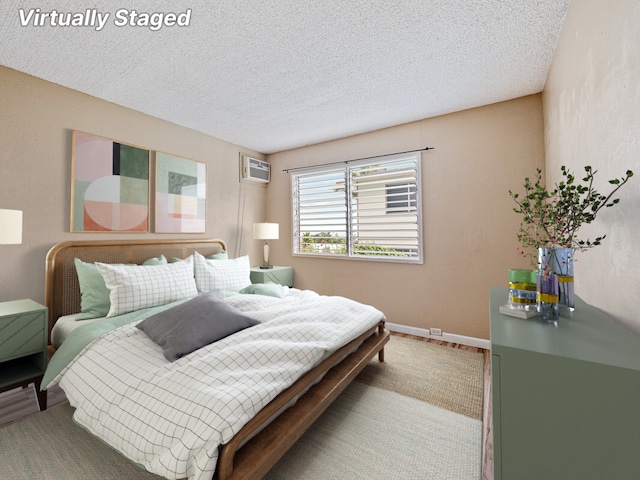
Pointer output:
x,y
172,417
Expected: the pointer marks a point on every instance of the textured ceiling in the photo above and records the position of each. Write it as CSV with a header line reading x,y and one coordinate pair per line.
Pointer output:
x,y
273,75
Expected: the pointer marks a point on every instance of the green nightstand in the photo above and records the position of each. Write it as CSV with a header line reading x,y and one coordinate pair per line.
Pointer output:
x,y
23,346
281,275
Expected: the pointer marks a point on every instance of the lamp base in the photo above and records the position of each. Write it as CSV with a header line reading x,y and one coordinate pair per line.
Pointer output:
x,y
265,256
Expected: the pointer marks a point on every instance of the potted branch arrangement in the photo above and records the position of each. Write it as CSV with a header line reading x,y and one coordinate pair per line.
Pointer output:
x,y
549,231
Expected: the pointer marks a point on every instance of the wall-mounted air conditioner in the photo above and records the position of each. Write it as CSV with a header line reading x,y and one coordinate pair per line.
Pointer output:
x,y
254,170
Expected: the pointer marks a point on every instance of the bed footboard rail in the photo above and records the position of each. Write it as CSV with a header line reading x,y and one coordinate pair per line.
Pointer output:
x,y
255,458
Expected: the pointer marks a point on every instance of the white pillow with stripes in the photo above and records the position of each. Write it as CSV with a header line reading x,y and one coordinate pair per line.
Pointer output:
x,y
226,275
140,286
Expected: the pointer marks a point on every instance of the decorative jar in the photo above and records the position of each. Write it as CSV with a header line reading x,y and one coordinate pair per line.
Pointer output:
x,y
522,289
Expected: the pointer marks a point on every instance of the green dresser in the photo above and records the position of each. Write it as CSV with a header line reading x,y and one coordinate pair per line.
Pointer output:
x,y
566,399
23,346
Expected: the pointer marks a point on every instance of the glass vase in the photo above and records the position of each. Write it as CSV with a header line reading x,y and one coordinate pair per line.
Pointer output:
x,y
547,290
560,262
547,296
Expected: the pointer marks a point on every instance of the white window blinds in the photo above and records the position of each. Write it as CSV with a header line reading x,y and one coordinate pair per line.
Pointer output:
x,y
368,209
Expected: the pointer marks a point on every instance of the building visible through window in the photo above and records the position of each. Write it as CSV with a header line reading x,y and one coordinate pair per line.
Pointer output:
x,y
401,198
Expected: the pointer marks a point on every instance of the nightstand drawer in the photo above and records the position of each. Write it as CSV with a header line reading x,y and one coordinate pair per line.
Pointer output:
x,y
22,334
276,274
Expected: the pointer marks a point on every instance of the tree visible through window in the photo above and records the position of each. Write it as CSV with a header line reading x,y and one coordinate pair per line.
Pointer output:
x,y
365,209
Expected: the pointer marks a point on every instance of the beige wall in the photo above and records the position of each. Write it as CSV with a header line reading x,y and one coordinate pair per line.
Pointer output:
x,y
592,117
469,226
35,164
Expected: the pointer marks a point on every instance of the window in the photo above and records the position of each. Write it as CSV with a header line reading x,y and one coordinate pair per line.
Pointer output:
x,y
368,209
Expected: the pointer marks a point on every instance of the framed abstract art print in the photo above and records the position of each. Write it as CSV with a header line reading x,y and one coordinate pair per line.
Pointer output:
x,y
109,185
180,195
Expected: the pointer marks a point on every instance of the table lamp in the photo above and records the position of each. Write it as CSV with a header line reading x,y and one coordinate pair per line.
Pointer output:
x,y
266,232
10,227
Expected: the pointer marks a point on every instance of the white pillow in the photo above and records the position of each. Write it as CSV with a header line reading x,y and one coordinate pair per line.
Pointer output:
x,y
226,275
136,287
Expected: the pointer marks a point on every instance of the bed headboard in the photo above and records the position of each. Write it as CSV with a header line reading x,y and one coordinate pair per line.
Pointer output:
x,y
62,292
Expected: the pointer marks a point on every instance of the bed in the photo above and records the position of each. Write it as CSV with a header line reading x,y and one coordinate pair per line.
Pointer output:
x,y
273,427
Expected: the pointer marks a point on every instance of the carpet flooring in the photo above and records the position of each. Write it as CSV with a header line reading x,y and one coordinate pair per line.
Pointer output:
x,y
415,416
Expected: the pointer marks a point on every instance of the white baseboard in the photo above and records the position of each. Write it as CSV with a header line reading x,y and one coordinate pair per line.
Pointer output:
x,y
446,337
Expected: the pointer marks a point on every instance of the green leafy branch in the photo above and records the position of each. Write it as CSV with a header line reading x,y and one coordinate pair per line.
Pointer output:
x,y
553,218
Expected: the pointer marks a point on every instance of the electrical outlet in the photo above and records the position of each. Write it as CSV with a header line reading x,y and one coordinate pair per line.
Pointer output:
x,y
435,331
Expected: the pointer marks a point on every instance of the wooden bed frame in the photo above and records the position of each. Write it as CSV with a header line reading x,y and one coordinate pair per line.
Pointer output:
x,y
240,458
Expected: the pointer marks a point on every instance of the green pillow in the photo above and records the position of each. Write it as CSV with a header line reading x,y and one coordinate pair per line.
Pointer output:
x,y
216,256
161,260
219,256
269,289
94,302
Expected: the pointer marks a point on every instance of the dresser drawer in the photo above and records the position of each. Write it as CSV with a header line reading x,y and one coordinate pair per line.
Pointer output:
x,y
22,334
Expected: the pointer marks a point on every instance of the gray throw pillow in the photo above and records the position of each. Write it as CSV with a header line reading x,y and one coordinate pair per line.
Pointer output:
x,y
193,324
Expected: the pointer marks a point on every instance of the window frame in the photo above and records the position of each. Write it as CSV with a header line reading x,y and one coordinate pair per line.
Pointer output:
x,y
412,197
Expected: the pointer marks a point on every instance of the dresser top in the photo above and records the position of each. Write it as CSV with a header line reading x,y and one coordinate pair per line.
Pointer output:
x,y
585,334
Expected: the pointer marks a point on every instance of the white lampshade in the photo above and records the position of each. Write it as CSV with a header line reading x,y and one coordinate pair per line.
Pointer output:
x,y
10,227
266,231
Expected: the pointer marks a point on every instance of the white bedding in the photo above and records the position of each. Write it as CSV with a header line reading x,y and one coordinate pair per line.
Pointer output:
x,y
172,417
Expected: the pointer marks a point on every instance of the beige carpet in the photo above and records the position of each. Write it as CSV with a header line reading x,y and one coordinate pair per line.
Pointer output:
x,y
406,427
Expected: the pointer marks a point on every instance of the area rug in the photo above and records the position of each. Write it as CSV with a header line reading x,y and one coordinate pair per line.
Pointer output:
x,y
49,446
370,433
379,428
447,377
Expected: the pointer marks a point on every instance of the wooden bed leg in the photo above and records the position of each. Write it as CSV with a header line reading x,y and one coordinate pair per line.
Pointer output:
x,y
381,352
41,395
